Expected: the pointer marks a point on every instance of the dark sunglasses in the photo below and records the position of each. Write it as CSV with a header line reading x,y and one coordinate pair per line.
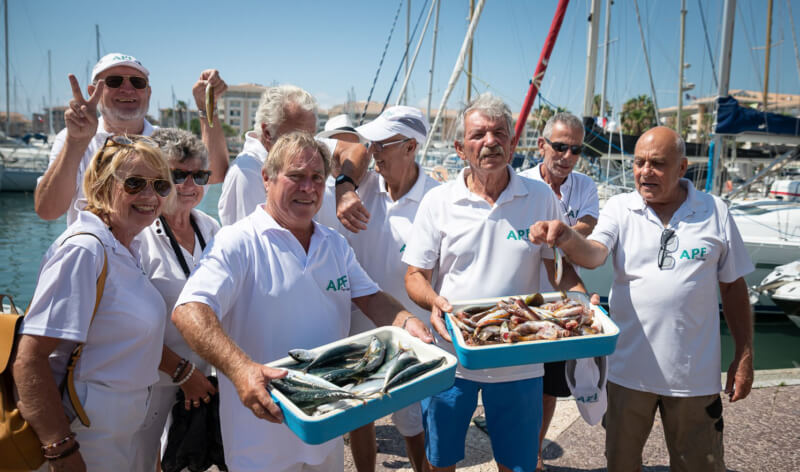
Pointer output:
x,y
669,243
200,177
115,81
134,185
129,140
576,149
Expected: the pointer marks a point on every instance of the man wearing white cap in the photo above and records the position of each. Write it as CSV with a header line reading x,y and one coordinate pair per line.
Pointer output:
x,y
391,195
120,90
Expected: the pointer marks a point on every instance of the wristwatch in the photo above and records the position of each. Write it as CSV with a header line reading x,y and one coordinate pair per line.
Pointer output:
x,y
341,178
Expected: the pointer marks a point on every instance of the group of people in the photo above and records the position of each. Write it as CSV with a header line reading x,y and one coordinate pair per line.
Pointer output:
x,y
315,246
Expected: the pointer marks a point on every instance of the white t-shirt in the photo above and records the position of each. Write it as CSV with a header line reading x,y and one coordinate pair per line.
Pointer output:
x,y
327,212
669,341
380,247
166,274
123,343
79,199
271,296
243,188
482,250
578,199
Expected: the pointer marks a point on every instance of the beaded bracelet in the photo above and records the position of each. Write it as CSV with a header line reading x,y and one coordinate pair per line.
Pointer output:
x,y
185,379
65,453
58,443
403,326
179,370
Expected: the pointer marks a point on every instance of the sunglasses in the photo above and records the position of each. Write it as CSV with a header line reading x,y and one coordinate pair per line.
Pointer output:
x,y
129,140
115,81
576,149
669,243
200,177
379,147
134,185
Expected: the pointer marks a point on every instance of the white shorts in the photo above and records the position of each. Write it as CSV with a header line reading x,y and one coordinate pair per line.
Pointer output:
x,y
333,463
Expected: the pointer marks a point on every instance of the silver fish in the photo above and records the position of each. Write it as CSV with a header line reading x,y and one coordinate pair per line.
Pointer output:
x,y
337,353
403,360
411,372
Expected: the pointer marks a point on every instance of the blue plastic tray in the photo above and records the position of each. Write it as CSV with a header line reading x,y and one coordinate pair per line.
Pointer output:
x,y
533,352
318,429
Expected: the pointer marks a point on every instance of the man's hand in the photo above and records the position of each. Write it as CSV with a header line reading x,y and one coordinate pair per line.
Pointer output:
x,y
251,383
349,209
553,233
81,116
199,89
417,328
739,380
439,306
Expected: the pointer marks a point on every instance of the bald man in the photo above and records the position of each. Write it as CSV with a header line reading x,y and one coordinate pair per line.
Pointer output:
x,y
673,247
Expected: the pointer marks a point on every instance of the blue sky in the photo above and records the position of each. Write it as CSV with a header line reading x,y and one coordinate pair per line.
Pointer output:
x,y
328,47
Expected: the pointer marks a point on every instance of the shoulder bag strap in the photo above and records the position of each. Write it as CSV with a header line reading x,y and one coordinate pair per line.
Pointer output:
x,y
76,353
176,248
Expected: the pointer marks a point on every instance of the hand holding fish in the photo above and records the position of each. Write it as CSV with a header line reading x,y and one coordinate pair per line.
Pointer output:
x,y
209,77
553,233
417,328
439,306
251,383
81,115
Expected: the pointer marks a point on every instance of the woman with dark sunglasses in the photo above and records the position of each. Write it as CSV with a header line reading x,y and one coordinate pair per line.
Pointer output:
x,y
90,424
170,248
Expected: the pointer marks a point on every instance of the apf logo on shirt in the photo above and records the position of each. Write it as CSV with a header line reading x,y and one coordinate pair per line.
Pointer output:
x,y
338,285
518,234
697,253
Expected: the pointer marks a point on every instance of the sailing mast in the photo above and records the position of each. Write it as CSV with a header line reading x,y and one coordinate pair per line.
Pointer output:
x,y
433,60
766,57
409,70
680,69
469,61
729,13
591,58
647,61
605,64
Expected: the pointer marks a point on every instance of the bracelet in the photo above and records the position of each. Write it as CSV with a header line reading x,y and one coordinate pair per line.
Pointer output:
x,y
202,114
65,453
403,326
58,443
179,370
185,379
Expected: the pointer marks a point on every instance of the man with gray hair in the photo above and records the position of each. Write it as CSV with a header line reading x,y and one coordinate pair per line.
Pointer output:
x,y
560,145
473,231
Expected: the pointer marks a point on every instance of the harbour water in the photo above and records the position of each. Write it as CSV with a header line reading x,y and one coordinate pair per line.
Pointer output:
x,y
24,238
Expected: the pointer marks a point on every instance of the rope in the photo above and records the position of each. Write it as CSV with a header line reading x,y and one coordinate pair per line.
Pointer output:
x,y
708,42
380,64
400,67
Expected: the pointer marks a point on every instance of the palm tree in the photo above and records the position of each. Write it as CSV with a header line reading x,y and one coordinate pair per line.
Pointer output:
x,y
638,115
596,107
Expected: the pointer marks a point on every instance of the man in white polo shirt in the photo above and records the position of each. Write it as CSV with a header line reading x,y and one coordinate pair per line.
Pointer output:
x,y
120,90
391,194
561,144
473,230
673,248
272,282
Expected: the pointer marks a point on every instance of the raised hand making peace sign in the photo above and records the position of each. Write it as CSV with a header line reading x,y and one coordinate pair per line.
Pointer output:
x,y
81,117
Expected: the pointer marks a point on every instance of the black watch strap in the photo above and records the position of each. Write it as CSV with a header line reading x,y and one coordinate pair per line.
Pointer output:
x,y
342,178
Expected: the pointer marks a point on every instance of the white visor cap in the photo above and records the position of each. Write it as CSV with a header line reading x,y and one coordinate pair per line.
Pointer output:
x,y
586,379
407,121
116,59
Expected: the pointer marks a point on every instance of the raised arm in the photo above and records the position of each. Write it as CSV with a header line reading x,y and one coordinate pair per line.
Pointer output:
x,y
353,159
581,251
55,191
213,137
199,325
738,316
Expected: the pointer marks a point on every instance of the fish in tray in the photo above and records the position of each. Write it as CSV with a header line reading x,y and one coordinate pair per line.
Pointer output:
x,y
348,375
525,319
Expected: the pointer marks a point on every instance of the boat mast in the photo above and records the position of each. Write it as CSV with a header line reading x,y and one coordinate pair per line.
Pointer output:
x,y
8,104
729,14
402,94
766,56
794,37
408,40
605,62
469,60
433,60
647,62
50,91
591,57
97,40
680,68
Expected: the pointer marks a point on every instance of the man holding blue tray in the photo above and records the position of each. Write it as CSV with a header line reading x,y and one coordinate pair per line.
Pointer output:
x,y
673,249
473,231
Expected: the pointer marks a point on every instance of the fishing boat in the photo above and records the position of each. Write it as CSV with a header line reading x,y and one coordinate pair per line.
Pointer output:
x,y
23,164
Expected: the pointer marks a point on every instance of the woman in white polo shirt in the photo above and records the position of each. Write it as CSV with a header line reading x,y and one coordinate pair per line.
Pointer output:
x,y
170,248
126,185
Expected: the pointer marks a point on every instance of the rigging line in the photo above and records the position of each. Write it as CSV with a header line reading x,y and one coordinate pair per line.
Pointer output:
x,y
400,67
750,46
708,42
794,37
380,64
647,61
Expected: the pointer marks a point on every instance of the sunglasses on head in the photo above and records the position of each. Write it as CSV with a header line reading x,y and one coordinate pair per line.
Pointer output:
x,y
115,81
200,177
129,140
133,185
576,149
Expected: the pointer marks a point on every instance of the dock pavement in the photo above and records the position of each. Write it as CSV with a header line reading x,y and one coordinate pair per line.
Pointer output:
x,y
762,433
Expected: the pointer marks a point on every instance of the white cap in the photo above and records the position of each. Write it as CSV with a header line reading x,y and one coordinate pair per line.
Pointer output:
x,y
117,59
340,124
586,379
407,121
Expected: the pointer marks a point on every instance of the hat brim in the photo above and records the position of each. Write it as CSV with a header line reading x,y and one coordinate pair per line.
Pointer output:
x,y
376,130
334,132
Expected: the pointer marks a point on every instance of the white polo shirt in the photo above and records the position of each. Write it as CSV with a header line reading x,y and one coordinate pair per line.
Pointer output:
x,y
482,250
243,188
79,199
123,344
327,212
380,247
669,341
166,274
578,199
271,296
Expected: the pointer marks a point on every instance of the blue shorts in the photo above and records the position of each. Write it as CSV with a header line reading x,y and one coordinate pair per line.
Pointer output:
x,y
513,419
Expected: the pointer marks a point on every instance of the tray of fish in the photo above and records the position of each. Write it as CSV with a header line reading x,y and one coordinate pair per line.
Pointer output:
x,y
529,329
338,387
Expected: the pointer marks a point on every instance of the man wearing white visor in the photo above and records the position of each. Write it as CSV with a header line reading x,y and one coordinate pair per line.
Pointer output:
x,y
391,194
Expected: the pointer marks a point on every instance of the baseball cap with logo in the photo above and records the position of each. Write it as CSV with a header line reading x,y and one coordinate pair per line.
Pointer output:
x,y
116,59
586,379
407,121
340,124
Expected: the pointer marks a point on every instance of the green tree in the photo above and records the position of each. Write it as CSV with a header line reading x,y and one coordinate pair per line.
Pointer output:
x,y
638,115
596,107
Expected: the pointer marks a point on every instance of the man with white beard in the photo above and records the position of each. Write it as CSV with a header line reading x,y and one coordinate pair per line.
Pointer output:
x,y
120,90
